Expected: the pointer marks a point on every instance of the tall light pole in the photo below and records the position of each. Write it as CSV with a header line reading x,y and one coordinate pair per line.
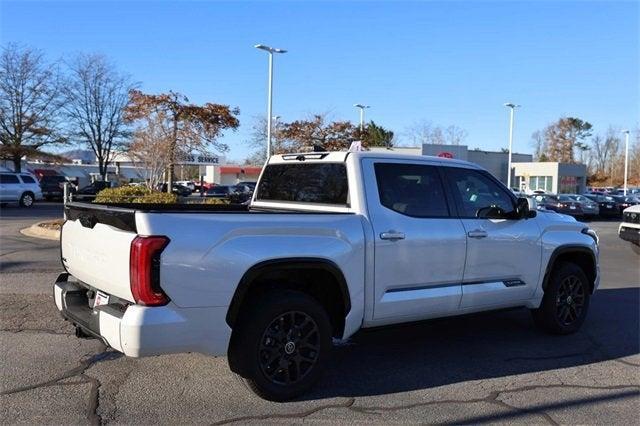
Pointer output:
x,y
626,159
271,51
513,107
362,108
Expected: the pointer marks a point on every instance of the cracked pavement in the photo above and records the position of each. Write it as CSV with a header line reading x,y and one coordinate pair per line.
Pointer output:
x,y
488,368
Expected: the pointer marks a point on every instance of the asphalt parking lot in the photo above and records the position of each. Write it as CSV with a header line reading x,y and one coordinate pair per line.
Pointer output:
x,y
493,367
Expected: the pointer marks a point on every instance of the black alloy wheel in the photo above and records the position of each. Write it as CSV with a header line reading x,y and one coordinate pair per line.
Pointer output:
x,y
570,300
289,348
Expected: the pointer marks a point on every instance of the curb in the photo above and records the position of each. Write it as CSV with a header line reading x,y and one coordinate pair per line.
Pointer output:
x,y
36,231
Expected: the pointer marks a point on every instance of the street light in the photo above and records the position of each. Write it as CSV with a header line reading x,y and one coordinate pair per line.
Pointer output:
x,y
271,51
513,107
626,159
362,108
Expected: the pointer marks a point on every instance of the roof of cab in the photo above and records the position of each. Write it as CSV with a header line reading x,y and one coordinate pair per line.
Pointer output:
x,y
340,156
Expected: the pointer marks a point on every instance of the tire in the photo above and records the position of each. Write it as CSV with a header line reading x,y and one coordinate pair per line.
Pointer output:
x,y
566,300
280,344
27,199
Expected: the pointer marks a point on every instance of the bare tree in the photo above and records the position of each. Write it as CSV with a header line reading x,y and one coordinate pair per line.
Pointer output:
x,y
95,98
151,149
604,149
258,140
29,104
539,145
425,132
455,135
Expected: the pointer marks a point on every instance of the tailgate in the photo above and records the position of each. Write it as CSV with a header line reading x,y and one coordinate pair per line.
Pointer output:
x,y
96,251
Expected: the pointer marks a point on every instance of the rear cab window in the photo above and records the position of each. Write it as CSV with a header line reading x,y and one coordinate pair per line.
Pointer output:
x,y
321,183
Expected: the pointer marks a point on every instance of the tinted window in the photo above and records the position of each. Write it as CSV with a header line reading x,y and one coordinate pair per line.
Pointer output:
x,y
9,179
27,179
477,193
53,179
219,190
324,183
411,189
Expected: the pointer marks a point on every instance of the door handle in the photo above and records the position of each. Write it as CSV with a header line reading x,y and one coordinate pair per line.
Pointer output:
x,y
477,233
392,235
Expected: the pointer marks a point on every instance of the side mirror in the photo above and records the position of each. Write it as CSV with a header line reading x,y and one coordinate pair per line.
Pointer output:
x,y
491,212
522,209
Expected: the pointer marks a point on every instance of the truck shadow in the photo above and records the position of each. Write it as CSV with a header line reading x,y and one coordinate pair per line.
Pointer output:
x,y
489,345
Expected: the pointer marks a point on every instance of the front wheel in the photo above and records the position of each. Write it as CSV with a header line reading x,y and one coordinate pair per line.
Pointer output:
x,y
27,199
281,344
565,302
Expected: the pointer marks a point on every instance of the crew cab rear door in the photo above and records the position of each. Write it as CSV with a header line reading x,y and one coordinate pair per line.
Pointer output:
x,y
419,246
503,253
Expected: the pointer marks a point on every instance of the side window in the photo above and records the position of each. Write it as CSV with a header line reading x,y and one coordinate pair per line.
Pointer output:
x,y
479,196
9,179
27,179
411,189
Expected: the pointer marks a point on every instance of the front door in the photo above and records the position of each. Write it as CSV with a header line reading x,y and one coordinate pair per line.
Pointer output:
x,y
503,253
419,246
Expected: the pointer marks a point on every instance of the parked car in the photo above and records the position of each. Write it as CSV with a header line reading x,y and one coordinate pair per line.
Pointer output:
x,y
330,244
188,184
240,193
589,207
625,201
52,186
89,192
218,191
21,188
251,185
176,188
560,204
607,206
629,229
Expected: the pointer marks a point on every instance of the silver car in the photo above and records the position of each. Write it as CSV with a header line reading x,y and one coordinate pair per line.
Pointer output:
x,y
22,188
589,207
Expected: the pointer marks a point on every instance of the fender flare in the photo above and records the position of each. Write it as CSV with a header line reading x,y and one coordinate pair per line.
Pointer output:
x,y
286,263
569,248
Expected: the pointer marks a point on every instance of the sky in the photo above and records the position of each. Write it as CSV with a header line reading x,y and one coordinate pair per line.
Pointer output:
x,y
446,63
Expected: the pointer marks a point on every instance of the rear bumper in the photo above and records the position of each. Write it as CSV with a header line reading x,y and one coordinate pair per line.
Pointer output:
x,y
140,331
629,233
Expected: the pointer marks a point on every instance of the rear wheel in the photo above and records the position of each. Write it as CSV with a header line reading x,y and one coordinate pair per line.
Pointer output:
x,y
565,302
281,344
27,199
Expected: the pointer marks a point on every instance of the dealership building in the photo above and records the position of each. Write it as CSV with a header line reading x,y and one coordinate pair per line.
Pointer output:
x,y
559,178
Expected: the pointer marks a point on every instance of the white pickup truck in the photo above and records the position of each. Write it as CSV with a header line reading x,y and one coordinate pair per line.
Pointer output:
x,y
331,243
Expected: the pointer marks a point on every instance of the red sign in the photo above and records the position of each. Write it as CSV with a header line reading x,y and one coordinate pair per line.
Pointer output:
x,y
445,154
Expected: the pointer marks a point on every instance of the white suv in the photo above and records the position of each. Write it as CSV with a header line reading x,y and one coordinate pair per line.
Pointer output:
x,y
22,188
629,229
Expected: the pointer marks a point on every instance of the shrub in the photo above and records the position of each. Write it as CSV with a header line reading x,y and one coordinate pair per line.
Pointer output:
x,y
205,200
134,194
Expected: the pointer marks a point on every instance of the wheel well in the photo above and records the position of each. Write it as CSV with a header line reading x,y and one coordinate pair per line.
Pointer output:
x,y
582,257
320,279
27,192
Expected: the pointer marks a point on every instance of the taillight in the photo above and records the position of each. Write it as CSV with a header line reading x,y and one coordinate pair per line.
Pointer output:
x,y
144,270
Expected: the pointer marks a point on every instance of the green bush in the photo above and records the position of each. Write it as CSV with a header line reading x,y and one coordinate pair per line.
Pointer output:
x,y
208,200
134,194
